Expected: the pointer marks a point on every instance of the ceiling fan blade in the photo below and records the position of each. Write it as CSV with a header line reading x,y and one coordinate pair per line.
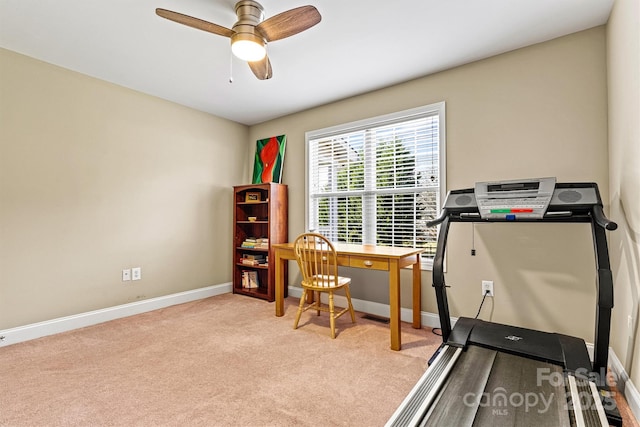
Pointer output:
x,y
288,23
195,22
262,69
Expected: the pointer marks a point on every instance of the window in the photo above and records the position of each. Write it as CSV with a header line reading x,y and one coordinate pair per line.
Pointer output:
x,y
378,181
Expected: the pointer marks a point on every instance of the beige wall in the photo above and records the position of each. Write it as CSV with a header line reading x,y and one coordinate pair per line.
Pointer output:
x,y
95,178
623,57
537,111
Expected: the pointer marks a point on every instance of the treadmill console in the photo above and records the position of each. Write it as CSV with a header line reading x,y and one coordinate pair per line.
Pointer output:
x,y
516,199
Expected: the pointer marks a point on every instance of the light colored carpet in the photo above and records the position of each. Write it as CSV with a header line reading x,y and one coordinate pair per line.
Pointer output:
x,y
222,361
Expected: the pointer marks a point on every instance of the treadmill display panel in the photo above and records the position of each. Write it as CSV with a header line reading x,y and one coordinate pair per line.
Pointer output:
x,y
510,200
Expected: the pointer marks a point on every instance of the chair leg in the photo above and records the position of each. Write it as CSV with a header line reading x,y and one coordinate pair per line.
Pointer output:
x,y
300,307
318,302
348,295
332,315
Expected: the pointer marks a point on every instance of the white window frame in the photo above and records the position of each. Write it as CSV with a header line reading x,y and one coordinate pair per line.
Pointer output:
x,y
406,115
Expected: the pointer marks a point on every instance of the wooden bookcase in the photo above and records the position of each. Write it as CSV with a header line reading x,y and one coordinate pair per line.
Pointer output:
x,y
259,212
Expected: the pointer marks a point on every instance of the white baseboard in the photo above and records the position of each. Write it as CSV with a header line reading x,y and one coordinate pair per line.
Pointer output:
x,y
378,309
63,324
624,384
633,398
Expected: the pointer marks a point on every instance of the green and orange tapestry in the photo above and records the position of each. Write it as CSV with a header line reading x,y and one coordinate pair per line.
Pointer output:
x,y
269,159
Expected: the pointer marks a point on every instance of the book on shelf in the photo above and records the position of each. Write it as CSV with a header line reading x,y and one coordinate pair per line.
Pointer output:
x,y
252,259
253,279
245,279
245,261
256,243
262,243
250,279
253,256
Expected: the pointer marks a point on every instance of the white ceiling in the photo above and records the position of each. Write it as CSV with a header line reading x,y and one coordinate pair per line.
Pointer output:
x,y
359,46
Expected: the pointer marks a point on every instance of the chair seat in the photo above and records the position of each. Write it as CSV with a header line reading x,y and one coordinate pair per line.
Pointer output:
x,y
325,281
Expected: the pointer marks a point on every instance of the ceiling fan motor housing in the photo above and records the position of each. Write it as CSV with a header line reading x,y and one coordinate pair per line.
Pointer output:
x,y
250,13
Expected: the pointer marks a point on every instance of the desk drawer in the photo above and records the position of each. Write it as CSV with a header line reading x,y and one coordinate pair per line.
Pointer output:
x,y
343,260
370,263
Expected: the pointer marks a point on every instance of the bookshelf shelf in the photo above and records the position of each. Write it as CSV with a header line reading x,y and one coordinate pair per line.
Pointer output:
x,y
257,267
266,205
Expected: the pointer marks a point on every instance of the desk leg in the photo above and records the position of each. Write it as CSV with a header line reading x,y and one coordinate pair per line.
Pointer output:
x,y
394,304
417,294
279,273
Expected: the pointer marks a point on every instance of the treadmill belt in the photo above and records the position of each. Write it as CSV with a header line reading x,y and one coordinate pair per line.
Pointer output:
x,y
490,388
468,379
523,392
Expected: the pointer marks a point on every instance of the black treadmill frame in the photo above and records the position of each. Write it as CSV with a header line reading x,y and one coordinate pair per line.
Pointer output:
x,y
576,213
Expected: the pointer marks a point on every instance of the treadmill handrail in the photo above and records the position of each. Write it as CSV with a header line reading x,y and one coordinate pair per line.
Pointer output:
x,y
443,214
600,218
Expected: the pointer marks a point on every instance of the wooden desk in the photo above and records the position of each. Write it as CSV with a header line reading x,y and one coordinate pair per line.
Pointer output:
x,y
370,257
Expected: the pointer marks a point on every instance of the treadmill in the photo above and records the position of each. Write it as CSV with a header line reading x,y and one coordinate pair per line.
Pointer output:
x,y
487,373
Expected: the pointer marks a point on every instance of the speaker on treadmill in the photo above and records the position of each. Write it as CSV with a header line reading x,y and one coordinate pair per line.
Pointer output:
x,y
569,196
460,200
463,200
574,196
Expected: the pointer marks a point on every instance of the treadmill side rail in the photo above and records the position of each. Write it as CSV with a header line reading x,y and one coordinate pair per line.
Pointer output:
x,y
413,407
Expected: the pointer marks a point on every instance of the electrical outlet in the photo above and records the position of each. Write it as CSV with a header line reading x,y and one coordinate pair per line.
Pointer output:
x,y
136,273
487,285
126,275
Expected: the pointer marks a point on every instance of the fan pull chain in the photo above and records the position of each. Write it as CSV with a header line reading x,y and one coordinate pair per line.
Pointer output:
x,y
230,68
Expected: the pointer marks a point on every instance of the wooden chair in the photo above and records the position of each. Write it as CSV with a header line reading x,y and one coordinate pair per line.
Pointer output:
x,y
318,264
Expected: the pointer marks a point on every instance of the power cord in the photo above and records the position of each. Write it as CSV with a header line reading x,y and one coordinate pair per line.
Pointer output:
x,y
479,309
483,298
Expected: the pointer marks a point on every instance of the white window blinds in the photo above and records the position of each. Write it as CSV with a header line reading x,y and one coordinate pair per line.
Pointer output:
x,y
378,181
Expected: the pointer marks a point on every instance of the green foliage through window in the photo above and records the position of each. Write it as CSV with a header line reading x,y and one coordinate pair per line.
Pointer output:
x,y
379,184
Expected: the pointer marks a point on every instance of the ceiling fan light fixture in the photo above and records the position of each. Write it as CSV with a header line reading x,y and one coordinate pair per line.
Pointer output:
x,y
248,47
251,32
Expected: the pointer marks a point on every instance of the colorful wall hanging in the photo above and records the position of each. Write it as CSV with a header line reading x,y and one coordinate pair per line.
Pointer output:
x,y
269,159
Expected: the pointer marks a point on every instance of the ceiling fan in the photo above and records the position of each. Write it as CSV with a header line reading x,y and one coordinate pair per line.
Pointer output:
x,y
251,33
